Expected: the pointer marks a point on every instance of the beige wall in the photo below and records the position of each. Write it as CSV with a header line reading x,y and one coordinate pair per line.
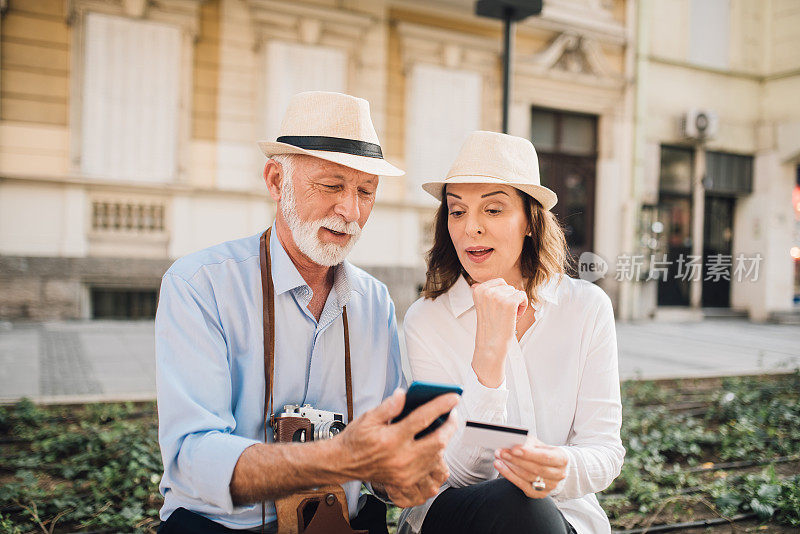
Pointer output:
x,y
42,220
783,56
35,62
205,97
34,88
46,206
672,90
222,197
204,219
50,216
779,150
219,194
763,225
759,114
205,87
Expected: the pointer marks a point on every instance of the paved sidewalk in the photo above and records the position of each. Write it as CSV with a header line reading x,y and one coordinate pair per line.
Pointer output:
x,y
714,347
78,361
112,360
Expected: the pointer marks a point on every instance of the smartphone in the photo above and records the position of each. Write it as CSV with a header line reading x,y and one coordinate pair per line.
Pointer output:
x,y
420,393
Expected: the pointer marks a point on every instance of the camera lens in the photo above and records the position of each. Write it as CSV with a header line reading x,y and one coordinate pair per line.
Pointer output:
x,y
328,429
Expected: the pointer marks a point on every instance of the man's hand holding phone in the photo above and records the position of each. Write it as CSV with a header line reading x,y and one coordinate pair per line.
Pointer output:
x,y
379,450
421,393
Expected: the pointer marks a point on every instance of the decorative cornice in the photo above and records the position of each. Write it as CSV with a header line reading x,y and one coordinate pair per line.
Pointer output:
x,y
590,19
264,10
593,20
445,47
183,13
429,33
571,56
306,23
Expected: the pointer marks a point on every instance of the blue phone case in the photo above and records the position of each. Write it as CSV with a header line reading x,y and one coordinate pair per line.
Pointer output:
x,y
420,393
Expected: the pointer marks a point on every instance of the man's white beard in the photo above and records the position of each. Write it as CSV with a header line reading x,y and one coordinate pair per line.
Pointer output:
x,y
306,233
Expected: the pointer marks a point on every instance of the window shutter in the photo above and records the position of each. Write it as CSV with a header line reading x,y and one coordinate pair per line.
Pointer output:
x,y
130,99
709,33
294,68
729,173
444,105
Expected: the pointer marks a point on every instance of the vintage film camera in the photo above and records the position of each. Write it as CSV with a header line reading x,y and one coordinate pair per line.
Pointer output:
x,y
305,423
321,510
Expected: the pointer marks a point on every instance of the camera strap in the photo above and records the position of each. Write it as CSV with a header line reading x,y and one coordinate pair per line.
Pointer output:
x,y
268,291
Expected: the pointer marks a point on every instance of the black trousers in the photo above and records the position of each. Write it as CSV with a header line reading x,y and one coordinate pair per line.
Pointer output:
x,y
494,506
371,517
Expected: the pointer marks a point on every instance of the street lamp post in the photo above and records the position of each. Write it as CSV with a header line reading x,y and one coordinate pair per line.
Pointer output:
x,y
510,12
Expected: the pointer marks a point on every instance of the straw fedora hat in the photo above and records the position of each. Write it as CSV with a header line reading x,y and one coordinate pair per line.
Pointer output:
x,y
495,158
333,127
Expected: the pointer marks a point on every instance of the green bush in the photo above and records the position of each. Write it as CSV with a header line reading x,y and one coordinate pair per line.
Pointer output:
x,y
747,418
97,467
100,471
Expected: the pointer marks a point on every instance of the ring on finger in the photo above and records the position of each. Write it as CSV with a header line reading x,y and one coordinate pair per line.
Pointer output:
x,y
538,483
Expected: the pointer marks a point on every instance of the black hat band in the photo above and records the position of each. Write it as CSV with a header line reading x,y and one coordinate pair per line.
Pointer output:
x,y
333,144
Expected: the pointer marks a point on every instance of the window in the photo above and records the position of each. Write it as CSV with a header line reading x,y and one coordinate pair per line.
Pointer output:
x,y
566,144
710,26
675,216
543,130
294,68
729,173
563,132
124,303
130,99
444,106
676,170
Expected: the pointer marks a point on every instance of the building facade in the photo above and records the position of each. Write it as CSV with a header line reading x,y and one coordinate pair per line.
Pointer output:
x,y
717,151
128,129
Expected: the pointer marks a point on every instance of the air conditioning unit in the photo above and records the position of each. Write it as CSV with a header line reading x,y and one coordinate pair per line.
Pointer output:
x,y
701,124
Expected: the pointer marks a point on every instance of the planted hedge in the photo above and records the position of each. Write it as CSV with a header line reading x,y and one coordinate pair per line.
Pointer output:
x,y
96,467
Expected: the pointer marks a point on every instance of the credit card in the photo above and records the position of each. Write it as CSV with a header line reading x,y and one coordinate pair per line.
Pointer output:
x,y
491,436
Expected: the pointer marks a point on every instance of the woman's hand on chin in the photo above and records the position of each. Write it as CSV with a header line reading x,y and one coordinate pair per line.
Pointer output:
x,y
498,306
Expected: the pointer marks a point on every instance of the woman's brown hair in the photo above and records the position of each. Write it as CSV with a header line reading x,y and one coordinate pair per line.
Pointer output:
x,y
544,251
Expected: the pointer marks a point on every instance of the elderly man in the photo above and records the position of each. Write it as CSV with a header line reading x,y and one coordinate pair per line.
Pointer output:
x,y
280,318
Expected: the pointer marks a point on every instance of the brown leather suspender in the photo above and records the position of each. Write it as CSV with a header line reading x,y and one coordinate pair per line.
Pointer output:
x,y
268,290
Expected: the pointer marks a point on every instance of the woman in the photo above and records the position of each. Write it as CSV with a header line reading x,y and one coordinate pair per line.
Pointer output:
x,y
531,347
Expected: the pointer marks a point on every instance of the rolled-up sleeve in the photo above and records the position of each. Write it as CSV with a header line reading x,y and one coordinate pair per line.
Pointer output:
x,y
394,376
468,464
594,448
193,379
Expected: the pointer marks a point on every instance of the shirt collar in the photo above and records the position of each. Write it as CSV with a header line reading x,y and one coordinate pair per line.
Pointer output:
x,y
342,275
286,277
460,295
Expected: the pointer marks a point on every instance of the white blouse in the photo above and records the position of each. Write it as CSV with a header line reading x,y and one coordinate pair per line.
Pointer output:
x,y
562,384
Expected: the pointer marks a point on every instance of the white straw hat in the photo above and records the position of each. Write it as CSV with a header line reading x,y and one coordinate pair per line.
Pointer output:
x,y
495,158
333,127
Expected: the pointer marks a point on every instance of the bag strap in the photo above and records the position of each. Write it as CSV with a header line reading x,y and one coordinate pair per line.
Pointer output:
x,y
348,377
268,291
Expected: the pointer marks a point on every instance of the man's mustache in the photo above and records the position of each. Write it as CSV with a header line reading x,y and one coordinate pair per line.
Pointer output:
x,y
338,225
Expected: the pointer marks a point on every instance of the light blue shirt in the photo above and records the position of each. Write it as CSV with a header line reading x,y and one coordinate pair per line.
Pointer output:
x,y
210,365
